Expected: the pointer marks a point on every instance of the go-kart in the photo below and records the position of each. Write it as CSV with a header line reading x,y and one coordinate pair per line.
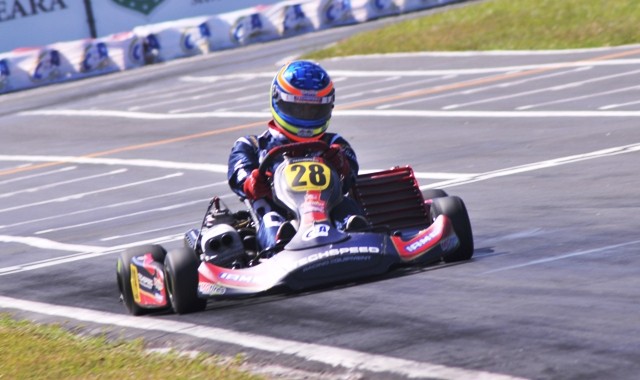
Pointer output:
x,y
221,259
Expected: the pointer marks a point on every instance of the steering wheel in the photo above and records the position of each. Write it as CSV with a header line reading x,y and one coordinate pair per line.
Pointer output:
x,y
291,150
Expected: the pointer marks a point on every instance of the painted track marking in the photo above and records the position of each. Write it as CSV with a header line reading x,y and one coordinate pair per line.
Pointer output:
x,y
451,182
25,177
90,252
138,146
333,356
483,88
632,148
56,184
339,113
565,256
541,90
113,205
82,195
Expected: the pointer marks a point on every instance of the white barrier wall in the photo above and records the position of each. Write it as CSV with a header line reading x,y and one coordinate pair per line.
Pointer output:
x,y
155,42
25,23
114,16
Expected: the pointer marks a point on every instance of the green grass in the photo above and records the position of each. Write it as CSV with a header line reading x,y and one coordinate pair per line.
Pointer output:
x,y
30,351
504,25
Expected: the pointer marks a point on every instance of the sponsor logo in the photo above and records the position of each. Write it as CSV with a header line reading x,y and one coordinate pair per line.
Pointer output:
x,y
421,242
247,28
209,289
238,277
10,10
330,253
136,51
47,67
383,5
96,57
158,281
144,49
143,6
196,39
145,282
337,11
318,230
294,19
4,74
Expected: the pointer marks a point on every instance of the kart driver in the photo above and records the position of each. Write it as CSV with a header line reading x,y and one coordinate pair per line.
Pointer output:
x,y
302,97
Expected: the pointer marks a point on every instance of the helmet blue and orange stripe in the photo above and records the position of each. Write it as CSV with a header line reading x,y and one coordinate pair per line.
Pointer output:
x,y
302,98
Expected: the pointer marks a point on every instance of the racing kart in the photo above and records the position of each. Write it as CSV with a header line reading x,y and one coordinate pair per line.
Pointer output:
x,y
221,259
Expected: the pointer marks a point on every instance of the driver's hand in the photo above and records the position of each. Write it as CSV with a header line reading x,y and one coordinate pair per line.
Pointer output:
x,y
335,157
256,186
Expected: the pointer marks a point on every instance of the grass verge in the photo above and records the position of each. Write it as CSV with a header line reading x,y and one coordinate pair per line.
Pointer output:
x,y
31,351
503,25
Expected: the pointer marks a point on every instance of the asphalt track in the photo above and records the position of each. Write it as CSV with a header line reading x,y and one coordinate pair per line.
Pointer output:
x,y
542,146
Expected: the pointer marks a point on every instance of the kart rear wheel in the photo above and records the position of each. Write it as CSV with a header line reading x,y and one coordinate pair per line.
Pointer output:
x,y
181,274
123,272
454,208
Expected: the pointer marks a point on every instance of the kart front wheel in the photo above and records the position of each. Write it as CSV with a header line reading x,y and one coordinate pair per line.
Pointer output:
x,y
123,272
181,275
454,208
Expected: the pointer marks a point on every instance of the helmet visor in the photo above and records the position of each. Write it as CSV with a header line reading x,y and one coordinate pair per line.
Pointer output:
x,y
305,111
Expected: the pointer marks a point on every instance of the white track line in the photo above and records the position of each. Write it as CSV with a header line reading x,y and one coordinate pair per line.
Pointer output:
x,y
456,181
65,169
486,114
479,89
337,112
49,244
541,90
581,97
213,168
148,115
423,73
611,106
55,184
124,216
138,233
82,195
82,254
121,162
484,53
632,148
565,256
333,356
112,205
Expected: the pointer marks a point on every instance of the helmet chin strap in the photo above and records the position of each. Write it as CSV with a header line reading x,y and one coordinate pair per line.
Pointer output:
x,y
280,132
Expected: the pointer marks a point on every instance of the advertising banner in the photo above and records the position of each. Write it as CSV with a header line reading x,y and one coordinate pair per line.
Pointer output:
x,y
29,23
114,16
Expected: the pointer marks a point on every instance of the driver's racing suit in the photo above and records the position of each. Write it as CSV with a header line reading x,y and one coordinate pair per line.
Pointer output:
x,y
247,154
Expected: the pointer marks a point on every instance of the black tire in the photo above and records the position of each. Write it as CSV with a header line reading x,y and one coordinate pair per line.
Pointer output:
x,y
454,208
123,272
181,275
434,193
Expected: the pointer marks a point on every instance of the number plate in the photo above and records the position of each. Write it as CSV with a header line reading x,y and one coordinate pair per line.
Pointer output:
x,y
307,176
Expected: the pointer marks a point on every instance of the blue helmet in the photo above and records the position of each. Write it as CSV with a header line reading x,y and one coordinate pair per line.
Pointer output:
x,y
302,97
